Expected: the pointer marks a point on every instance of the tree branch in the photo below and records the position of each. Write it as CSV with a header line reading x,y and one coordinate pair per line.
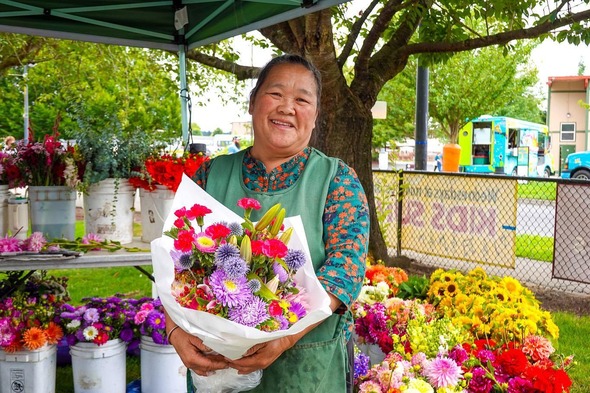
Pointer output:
x,y
354,33
241,72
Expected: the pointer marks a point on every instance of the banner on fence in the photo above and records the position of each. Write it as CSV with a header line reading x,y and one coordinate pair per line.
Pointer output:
x,y
572,233
464,218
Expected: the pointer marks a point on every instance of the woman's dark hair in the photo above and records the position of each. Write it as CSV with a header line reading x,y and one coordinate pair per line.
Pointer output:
x,y
288,59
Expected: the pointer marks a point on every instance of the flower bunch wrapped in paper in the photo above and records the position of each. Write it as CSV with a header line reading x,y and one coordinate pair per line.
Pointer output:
x,y
231,282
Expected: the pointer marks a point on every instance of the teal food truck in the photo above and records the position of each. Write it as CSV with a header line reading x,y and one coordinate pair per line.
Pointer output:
x,y
503,145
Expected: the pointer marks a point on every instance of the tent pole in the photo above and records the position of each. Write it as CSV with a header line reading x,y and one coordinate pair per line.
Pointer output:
x,y
184,95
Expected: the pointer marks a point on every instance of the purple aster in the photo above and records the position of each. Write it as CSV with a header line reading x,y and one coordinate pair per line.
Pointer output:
x,y
182,260
126,334
224,252
280,272
479,383
362,362
295,259
159,338
235,267
229,292
91,315
283,322
156,320
298,309
251,313
443,372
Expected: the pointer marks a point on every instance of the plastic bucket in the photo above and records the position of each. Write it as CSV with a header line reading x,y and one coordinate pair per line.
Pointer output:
x,y
53,211
4,196
108,210
18,217
28,371
161,368
99,368
155,207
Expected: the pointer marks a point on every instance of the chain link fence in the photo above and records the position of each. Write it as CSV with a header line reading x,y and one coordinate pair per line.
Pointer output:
x,y
536,230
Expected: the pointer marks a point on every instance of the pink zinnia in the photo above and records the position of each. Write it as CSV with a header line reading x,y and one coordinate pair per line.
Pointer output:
x,y
443,372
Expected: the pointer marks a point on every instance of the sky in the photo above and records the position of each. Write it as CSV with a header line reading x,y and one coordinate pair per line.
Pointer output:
x,y
550,58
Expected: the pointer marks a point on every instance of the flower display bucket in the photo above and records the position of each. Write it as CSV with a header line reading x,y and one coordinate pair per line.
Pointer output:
x,y
52,211
155,207
18,217
4,196
99,368
108,210
28,371
161,368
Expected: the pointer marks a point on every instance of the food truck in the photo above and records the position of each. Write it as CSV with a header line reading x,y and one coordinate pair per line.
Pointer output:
x,y
503,145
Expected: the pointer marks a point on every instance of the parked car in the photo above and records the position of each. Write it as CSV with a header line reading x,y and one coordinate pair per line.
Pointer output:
x,y
577,166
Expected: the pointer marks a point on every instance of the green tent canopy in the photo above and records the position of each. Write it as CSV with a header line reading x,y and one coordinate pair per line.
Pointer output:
x,y
175,25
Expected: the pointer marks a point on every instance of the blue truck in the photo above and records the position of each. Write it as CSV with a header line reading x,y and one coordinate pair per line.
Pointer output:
x,y
577,166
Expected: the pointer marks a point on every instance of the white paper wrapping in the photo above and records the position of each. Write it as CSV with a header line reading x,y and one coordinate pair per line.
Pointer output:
x,y
222,335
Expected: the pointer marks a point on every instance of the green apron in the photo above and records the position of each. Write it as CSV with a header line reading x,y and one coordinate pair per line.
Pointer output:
x,y
319,361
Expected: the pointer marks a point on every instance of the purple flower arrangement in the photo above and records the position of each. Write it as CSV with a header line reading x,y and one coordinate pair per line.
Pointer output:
x,y
150,320
99,320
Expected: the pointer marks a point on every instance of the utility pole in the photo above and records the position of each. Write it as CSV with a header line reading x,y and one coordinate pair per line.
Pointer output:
x,y
26,114
421,147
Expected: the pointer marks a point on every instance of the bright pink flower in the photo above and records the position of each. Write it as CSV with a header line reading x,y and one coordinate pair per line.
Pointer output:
x,y
443,372
185,241
249,203
274,248
197,211
217,231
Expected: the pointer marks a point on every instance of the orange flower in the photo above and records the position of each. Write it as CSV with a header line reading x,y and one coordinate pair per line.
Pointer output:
x,y
54,333
34,338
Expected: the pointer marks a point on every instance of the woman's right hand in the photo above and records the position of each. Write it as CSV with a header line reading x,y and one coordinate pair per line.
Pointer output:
x,y
195,355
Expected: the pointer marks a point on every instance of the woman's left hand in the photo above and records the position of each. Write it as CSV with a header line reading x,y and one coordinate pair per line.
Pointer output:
x,y
260,356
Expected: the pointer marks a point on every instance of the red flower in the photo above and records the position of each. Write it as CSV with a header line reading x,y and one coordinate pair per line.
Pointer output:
x,y
167,170
197,211
257,247
179,222
274,309
217,231
548,380
513,362
274,248
185,241
101,338
249,203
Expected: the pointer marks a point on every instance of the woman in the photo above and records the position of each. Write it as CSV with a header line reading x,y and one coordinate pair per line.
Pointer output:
x,y
280,167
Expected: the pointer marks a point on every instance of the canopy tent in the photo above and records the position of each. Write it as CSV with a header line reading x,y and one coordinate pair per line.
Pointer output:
x,y
175,25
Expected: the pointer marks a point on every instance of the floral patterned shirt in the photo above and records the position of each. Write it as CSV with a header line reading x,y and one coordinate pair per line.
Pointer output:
x,y
346,219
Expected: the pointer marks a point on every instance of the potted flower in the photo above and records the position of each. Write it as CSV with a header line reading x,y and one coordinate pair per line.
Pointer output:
x,y
28,331
157,182
162,369
110,152
98,332
50,171
8,172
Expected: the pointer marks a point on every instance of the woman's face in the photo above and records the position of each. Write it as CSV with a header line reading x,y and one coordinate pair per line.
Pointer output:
x,y
284,111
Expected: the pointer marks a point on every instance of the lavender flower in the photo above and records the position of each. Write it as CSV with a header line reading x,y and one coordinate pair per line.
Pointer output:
x,y
254,285
251,313
280,272
235,267
182,260
236,229
295,259
362,363
91,315
230,292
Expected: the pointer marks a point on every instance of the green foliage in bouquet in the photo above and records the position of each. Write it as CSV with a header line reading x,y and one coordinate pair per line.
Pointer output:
x,y
415,288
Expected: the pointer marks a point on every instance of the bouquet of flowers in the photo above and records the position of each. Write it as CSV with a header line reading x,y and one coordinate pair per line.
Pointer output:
x,y
27,316
231,282
47,163
98,320
8,170
167,170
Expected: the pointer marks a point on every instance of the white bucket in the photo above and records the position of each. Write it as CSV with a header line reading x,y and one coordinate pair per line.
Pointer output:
x,y
155,206
161,368
108,210
4,196
99,368
18,217
53,211
28,371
